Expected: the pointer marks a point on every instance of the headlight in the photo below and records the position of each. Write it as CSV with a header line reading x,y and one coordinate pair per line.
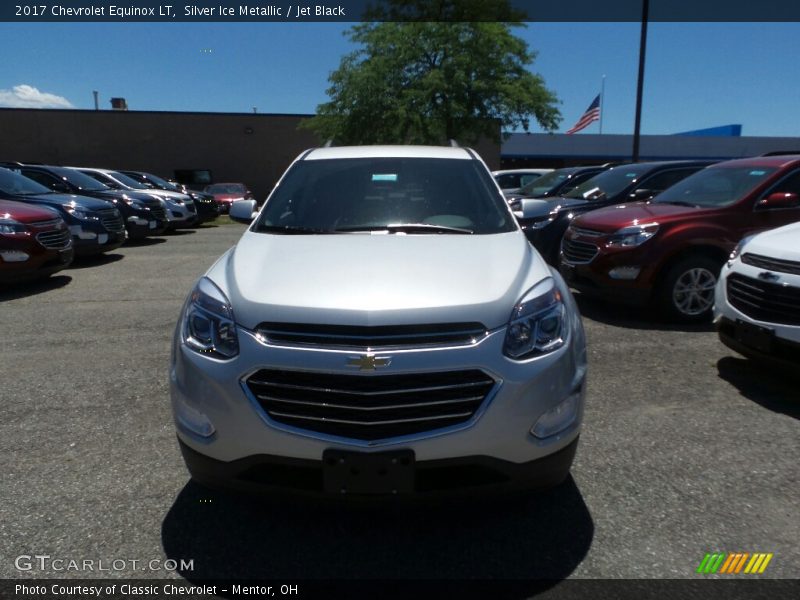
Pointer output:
x,y
208,323
12,227
134,203
634,235
538,322
738,249
79,213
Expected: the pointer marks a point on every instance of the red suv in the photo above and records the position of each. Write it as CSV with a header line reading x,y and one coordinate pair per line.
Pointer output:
x,y
670,250
34,242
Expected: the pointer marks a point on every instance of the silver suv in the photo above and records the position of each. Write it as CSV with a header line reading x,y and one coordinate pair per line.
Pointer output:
x,y
382,327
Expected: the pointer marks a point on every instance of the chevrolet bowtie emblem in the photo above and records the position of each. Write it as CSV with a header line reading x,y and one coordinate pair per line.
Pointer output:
x,y
368,362
767,276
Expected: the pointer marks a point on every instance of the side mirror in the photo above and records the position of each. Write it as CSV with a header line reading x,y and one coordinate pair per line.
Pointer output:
x,y
642,194
243,211
779,200
532,208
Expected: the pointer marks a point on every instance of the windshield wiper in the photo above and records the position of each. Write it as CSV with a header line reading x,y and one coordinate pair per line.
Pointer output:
x,y
408,228
290,230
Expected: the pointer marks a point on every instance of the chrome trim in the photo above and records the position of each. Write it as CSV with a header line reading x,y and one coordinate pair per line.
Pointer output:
x,y
572,261
370,423
350,407
474,336
771,264
431,388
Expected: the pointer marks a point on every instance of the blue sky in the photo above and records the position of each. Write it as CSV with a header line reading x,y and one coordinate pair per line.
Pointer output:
x,y
697,74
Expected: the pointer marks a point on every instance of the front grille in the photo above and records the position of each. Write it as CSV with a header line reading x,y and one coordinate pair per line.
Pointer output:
x,y
372,337
158,212
55,240
51,223
763,300
190,207
370,407
111,219
587,232
772,264
575,251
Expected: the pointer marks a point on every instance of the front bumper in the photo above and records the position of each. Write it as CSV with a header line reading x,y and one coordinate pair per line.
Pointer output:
x,y
465,475
776,343
499,431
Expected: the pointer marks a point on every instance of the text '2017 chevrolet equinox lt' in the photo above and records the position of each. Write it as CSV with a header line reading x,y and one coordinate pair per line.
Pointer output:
x,y
382,327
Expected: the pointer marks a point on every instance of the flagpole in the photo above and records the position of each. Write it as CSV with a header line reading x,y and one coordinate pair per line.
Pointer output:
x,y
602,101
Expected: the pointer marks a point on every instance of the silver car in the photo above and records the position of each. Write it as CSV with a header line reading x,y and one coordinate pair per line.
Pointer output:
x,y
382,327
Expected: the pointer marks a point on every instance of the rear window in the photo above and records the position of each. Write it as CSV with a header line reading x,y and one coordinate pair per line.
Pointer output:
x,y
349,194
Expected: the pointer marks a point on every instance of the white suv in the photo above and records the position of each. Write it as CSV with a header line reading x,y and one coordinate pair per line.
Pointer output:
x,y
383,327
757,303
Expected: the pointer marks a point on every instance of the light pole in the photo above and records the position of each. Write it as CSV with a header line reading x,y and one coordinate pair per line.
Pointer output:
x,y
640,82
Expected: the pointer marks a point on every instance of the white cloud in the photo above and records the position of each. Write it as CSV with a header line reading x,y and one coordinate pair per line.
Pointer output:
x,y
26,96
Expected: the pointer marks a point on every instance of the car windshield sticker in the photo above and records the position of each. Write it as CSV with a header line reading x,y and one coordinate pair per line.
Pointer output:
x,y
384,177
757,173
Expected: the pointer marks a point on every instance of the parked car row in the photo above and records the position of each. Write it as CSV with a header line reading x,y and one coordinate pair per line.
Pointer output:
x,y
50,214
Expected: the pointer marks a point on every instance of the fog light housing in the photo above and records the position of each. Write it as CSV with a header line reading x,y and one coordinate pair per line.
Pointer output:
x,y
14,255
627,273
558,418
193,420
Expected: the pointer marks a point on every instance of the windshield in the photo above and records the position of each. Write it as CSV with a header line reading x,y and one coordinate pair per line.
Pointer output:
x,y
158,182
129,181
80,180
18,185
715,186
226,188
544,184
394,195
609,183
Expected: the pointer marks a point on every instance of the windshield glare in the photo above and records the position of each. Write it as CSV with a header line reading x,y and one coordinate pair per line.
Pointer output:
x,y
81,180
544,184
611,182
371,193
15,184
715,186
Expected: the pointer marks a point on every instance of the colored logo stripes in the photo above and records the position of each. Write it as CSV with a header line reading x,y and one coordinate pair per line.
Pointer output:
x,y
734,562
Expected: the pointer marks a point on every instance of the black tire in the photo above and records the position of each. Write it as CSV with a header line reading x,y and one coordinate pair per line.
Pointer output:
x,y
686,290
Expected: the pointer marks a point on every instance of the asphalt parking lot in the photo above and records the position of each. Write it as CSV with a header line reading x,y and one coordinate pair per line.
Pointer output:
x,y
687,449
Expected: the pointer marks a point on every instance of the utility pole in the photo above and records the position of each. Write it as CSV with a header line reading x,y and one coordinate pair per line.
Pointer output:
x,y
96,104
640,83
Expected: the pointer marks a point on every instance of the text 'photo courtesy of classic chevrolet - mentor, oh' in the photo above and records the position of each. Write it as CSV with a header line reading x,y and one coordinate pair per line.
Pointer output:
x,y
383,327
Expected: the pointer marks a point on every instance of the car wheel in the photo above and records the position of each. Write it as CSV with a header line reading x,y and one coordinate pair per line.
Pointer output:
x,y
687,290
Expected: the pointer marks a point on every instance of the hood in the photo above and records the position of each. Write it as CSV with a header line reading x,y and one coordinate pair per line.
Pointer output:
x,y
58,200
142,195
370,280
25,213
781,243
612,218
169,194
539,207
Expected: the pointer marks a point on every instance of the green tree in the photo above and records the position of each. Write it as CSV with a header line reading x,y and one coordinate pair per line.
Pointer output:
x,y
427,82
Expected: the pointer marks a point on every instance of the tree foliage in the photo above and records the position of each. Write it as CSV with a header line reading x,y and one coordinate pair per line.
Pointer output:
x,y
426,82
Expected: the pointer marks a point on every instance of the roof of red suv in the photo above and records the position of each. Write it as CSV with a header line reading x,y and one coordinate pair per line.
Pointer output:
x,y
763,161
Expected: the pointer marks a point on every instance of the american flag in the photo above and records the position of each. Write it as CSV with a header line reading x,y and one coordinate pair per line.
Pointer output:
x,y
592,114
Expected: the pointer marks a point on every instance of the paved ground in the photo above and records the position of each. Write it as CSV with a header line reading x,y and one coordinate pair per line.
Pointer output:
x,y
687,448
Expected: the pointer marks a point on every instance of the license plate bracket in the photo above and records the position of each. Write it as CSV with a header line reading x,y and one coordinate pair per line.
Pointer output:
x,y
388,473
754,336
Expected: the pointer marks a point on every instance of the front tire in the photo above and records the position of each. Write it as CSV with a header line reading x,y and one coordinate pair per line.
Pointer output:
x,y
686,293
